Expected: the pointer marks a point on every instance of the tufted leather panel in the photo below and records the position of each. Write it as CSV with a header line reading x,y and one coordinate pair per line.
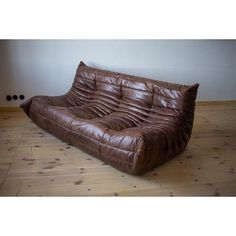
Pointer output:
x,y
129,122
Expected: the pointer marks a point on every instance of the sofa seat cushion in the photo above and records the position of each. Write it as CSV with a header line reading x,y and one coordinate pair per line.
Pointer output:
x,y
118,121
62,112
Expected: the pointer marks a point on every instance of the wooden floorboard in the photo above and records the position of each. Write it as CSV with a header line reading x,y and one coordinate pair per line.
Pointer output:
x,y
34,163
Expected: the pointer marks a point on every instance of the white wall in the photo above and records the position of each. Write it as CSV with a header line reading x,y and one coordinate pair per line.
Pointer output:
x,y
33,67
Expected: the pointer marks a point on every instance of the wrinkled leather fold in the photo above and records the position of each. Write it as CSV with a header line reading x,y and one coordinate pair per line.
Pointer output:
x,y
132,123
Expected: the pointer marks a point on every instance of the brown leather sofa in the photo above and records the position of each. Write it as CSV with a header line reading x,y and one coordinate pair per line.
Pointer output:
x,y
129,122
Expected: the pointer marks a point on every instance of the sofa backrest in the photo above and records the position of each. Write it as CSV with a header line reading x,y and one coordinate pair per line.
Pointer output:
x,y
118,89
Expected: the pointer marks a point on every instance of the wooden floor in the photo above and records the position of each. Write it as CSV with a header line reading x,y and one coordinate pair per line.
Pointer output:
x,y
34,163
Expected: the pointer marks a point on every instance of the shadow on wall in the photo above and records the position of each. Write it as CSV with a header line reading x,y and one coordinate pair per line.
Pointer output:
x,y
7,75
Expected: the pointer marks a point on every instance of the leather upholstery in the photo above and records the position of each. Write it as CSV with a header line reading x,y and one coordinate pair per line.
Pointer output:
x,y
129,122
